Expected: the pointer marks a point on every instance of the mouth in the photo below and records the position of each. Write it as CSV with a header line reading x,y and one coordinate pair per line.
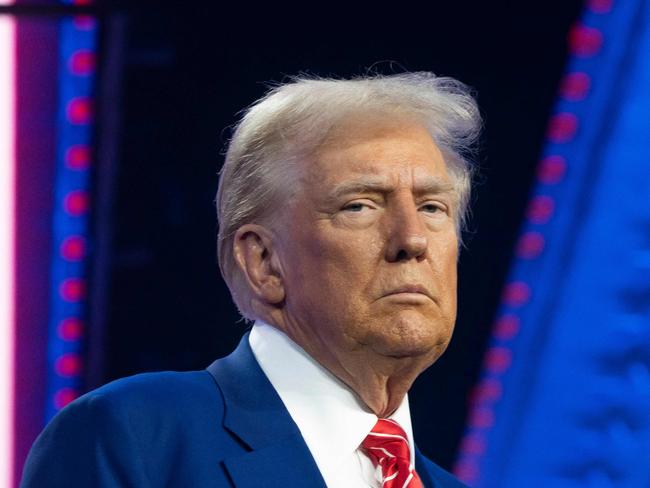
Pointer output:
x,y
417,292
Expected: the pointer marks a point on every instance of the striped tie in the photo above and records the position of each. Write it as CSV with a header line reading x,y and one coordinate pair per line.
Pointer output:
x,y
388,447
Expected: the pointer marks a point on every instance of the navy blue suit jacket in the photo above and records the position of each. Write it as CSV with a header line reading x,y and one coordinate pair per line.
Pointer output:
x,y
221,427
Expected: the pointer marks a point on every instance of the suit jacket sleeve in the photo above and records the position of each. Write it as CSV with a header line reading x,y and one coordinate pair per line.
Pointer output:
x,y
89,444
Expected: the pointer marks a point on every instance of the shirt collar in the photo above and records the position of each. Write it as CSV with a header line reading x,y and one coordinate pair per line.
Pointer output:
x,y
332,419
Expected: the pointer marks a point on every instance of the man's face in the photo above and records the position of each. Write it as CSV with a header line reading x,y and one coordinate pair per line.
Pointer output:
x,y
369,248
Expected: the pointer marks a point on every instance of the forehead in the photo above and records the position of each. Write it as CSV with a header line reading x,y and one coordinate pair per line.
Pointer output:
x,y
399,151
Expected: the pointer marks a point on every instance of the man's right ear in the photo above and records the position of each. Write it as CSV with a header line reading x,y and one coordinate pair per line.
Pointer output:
x,y
254,253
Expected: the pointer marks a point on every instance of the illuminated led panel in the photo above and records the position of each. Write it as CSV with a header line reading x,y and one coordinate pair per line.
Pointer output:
x,y
7,177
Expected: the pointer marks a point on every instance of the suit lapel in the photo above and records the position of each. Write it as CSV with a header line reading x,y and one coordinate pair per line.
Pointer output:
x,y
429,477
255,414
422,471
285,463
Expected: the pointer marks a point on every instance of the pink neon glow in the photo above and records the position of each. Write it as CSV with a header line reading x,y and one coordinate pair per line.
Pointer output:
x,y
540,209
585,42
551,169
506,327
516,294
467,470
84,22
562,127
73,248
64,396
7,257
82,62
76,202
68,365
78,157
575,86
80,110
73,289
71,329
530,245
497,359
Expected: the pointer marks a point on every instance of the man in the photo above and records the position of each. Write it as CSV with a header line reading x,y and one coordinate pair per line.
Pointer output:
x,y
340,206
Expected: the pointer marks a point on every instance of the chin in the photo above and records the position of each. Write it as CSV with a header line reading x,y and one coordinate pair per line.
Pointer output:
x,y
410,334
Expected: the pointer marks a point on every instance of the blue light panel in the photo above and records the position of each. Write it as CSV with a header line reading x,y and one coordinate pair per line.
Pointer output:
x,y
564,398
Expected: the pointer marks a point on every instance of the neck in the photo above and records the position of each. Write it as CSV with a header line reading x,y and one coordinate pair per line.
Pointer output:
x,y
381,392
381,382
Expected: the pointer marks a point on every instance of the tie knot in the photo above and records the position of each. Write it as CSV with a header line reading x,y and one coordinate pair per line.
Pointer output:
x,y
388,447
387,442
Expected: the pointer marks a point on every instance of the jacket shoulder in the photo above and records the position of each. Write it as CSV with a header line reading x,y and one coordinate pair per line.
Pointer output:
x,y
158,392
126,432
151,403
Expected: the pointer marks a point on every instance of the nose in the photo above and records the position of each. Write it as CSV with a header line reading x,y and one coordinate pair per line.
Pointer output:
x,y
407,237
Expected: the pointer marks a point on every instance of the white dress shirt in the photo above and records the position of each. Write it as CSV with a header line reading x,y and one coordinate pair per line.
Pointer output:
x,y
331,418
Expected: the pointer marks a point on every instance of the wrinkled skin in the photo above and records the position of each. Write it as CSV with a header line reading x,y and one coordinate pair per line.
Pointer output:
x,y
359,269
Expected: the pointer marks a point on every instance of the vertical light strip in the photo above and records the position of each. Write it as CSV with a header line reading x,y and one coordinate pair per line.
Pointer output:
x,y
71,213
7,256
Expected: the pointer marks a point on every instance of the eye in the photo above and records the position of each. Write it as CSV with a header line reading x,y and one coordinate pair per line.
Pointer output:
x,y
355,207
433,208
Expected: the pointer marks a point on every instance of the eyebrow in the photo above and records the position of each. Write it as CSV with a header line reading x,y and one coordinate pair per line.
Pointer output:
x,y
379,185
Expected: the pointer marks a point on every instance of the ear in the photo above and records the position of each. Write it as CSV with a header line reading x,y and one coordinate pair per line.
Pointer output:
x,y
255,255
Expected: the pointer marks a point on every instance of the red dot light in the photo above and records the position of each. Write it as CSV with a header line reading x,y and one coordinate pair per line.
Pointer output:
x,y
540,209
506,327
73,248
82,62
481,418
73,289
466,471
65,396
585,41
575,86
498,359
78,157
600,6
562,127
473,444
68,365
551,170
71,329
84,22
516,294
530,245
80,110
76,203
487,391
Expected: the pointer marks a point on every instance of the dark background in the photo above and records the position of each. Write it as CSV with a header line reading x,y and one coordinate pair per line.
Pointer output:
x,y
187,71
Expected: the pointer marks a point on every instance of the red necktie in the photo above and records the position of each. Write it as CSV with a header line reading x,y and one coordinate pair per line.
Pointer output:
x,y
388,447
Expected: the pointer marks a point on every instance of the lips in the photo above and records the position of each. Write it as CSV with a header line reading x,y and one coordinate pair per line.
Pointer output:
x,y
410,289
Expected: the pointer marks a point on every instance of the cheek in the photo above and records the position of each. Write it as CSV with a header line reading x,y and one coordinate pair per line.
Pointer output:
x,y
445,264
451,284
343,269
342,249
